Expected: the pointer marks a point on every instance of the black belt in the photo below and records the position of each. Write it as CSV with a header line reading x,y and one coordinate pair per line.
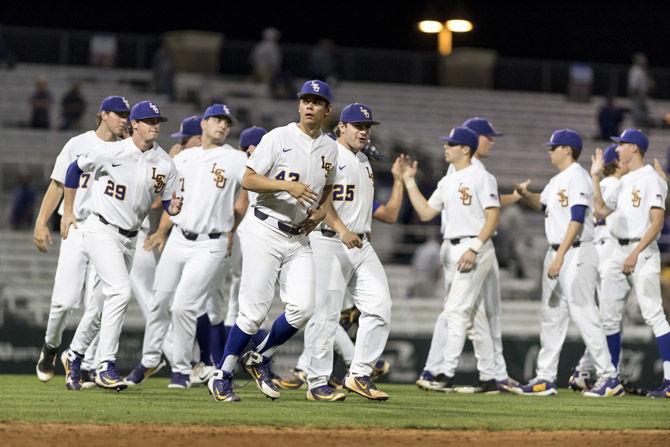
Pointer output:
x,y
193,236
126,233
555,247
600,223
627,241
458,240
331,233
281,225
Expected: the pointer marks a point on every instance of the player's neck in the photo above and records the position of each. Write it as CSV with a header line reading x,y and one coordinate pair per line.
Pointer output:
x,y
565,164
208,143
104,133
462,163
312,132
635,163
345,145
143,145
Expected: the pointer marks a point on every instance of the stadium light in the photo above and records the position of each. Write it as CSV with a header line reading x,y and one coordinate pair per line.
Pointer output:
x,y
444,32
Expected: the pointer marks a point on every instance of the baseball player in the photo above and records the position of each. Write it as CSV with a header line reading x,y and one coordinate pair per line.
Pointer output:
x,y
209,176
613,170
74,274
470,198
635,212
570,270
485,330
292,169
131,173
190,135
348,261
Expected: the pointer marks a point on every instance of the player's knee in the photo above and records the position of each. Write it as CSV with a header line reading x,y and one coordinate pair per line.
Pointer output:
x,y
247,324
298,315
658,323
121,292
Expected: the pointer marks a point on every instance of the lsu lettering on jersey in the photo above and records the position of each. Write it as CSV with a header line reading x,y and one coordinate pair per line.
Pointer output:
x,y
450,170
464,195
566,189
353,190
128,180
639,191
287,153
209,180
75,147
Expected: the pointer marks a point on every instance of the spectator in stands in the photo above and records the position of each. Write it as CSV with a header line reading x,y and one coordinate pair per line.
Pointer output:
x,y
322,61
511,219
639,85
73,106
610,118
163,68
23,206
266,57
41,102
6,54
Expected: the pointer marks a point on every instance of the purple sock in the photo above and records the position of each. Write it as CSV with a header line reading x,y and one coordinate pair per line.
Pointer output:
x,y
614,345
237,340
226,331
281,332
217,340
663,343
202,335
258,338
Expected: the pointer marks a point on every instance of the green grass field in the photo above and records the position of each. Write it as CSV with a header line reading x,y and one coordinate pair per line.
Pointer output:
x,y
24,398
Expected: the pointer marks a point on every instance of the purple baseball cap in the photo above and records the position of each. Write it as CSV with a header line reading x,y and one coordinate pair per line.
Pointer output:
x,y
357,113
218,110
146,110
251,136
317,88
115,104
189,127
610,155
481,126
633,136
565,137
462,136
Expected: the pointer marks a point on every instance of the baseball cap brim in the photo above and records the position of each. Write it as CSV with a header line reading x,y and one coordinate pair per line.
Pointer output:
x,y
179,135
620,140
301,94
372,122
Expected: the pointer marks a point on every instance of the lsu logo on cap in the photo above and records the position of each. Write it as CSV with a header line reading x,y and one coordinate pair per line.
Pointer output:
x,y
315,86
365,112
226,110
125,101
453,131
154,107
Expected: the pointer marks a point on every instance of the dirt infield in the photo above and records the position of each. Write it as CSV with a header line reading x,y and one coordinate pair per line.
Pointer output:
x,y
26,434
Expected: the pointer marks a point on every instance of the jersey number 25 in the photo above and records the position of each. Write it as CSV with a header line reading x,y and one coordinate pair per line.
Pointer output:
x,y
343,192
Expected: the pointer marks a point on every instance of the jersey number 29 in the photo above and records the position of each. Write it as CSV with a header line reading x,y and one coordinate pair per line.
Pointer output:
x,y
115,190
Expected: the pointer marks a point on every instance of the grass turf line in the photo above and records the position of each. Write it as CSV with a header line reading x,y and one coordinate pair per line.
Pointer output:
x,y
24,398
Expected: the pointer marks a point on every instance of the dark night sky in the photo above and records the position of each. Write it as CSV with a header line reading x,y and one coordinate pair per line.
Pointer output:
x,y
599,31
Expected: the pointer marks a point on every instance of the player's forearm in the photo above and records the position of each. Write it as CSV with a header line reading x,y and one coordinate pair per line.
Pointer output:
x,y
261,184
419,202
574,228
509,199
165,223
532,199
49,202
240,209
392,207
68,200
491,219
600,208
655,227
333,221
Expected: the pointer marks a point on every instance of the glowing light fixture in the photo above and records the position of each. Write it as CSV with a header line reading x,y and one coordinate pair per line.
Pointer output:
x,y
459,26
430,26
444,32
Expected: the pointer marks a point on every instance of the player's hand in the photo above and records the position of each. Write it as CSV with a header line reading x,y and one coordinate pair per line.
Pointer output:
x,y
42,237
65,222
351,240
597,162
659,170
155,240
409,168
314,218
396,169
555,267
467,261
521,188
175,204
229,247
301,192
629,263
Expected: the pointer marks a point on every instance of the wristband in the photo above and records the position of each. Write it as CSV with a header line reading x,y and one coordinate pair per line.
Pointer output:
x,y
476,245
410,183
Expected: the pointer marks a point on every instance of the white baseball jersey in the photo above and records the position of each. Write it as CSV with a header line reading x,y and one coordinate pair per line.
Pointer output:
x,y
566,189
464,195
287,153
450,170
209,180
353,190
639,191
608,186
128,180
75,147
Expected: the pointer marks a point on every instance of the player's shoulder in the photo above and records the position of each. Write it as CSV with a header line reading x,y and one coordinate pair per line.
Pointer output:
x,y
161,155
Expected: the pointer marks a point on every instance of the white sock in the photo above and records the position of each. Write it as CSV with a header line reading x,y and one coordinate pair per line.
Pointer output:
x,y
666,370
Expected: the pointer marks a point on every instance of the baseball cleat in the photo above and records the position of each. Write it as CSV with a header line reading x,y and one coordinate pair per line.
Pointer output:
x,y
363,385
179,381
200,373
483,387
87,379
633,389
429,382
258,368
295,379
662,391
381,368
507,385
580,380
220,387
141,372
72,366
107,377
46,363
605,387
335,382
325,393
536,387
